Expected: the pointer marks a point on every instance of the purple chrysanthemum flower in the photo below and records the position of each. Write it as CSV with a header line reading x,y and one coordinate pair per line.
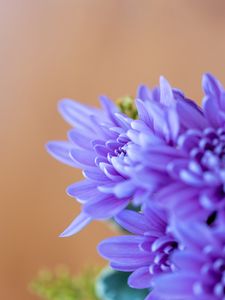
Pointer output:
x,y
98,145
200,267
146,253
186,171
95,144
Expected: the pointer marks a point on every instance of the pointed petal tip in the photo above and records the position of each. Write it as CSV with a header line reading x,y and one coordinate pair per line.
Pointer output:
x,y
48,146
164,81
205,78
100,249
210,84
77,225
166,92
208,75
141,88
104,98
52,147
60,150
63,103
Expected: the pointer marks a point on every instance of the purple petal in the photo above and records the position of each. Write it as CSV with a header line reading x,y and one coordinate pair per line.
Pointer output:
x,y
149,139
79,223
107,188
189,235
211,85
152,296
121,246
122,267
83,190
107,207
189,139
109,171
81,140
190,116
103,130
161,242
133,152
177,286
124,189
175,167
167,150
210,109
156,218
113,145
157,114
184,194
76,114
119,167
141,126
143,113
191,178
96,175
132,221
124,251
187,260
144,93
83,157
124,120
110,108
102,150
173,123
166,93
140,279
61,151
133,135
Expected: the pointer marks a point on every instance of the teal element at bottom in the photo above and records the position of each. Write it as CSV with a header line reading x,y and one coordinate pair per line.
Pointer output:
x,y
112,285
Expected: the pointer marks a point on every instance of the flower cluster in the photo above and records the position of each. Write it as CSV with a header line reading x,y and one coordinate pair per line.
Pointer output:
x,y
166,159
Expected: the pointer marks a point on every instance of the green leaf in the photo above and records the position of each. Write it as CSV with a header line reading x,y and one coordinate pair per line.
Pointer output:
x,y
112,285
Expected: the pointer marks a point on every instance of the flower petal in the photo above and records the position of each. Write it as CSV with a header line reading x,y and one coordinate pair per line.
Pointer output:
x,y
82,140
211,85
132,221
191,116
105,207
60,150
76,114
83,191
83,157
175,286
166,92
79,223
140,279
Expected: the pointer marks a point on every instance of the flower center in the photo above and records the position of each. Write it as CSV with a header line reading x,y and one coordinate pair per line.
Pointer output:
x,y
162,248
209,151
205,165
120,151
213,275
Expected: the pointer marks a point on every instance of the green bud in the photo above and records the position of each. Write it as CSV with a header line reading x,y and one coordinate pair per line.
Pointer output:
x,y
127,106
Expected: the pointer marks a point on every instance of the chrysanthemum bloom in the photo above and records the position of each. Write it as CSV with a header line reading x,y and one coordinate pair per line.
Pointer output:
x,y
95,144
200,273
147,252
98,145
184,169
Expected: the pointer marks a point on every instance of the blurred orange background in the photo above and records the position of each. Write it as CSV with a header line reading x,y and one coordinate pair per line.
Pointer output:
x,y
79,49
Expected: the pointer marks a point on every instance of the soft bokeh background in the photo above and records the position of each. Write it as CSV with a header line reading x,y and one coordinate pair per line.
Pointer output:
x,y
51,49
